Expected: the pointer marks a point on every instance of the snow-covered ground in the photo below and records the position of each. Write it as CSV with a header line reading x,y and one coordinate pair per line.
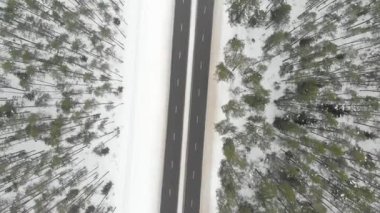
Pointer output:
x,y
148,71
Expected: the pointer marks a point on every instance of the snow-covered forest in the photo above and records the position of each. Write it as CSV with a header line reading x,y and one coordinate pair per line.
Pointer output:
x,y
301,131
60,84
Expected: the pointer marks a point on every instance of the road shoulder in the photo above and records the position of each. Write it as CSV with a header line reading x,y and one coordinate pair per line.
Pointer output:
x,y
211,155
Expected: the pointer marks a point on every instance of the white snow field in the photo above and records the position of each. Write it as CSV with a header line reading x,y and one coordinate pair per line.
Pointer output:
x,y
148,53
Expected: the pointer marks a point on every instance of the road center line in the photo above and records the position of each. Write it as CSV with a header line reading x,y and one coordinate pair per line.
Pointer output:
x,y
201,65
203,37
172,164
195,146
173,136
205,10
199,92
170,192
193,174
179,54
176,109
177,82
197,119
181,27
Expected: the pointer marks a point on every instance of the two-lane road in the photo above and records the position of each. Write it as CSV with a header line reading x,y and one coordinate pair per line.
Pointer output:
x,y
172,161
198,104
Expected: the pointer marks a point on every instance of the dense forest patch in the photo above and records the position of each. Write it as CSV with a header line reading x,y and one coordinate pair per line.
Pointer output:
x,y
59,86
301,132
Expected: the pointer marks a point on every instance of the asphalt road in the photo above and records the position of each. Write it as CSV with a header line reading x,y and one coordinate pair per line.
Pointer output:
x,y
172,161
198,104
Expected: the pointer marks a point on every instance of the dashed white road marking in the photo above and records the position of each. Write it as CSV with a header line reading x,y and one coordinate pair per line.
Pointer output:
x,y
172,164
195,146
199,92
179,54
176,109
173,136
177,82
170,192
181,27
191,203
201,65
203,37
197,119
193,174
205,10
183,1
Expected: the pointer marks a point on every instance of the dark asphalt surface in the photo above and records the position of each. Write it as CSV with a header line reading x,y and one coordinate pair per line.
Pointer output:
x,y
172,161
198,104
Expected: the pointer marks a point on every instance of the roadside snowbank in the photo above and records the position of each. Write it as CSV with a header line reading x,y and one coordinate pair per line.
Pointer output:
x,y
218,95
148,71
